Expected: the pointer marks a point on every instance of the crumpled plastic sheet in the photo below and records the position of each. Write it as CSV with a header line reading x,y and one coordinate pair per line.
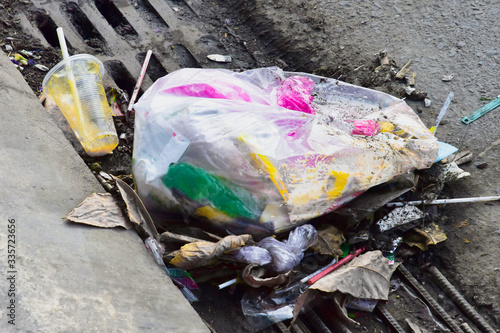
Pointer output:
x,y
252,254
284,255
263,308
234,138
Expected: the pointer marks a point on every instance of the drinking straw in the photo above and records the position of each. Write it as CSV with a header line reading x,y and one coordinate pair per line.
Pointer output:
x,y
444,201
71,76
139,80
62,43
313,274
442,112
335,266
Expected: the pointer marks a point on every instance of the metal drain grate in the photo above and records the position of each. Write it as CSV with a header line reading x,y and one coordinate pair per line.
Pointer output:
x,y
120,32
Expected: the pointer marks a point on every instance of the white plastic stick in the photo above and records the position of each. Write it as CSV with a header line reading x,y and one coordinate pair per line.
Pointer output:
x,y
227,283
443,201
443,110
71,76
139,80
62,43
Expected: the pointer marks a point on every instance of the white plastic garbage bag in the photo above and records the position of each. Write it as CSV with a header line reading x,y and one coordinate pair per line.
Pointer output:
x,y
267,147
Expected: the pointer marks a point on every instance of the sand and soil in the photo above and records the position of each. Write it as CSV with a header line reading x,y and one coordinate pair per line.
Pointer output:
x,y
342,40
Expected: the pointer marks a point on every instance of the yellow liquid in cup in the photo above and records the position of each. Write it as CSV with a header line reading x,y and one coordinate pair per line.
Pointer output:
x,y
75,84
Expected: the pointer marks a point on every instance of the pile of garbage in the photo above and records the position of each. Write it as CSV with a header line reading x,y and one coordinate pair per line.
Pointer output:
x,y
290,184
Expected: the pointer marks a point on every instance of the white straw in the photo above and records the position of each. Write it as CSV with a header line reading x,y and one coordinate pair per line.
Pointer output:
x,y
139,80
62,43
227,283
443,110
443,201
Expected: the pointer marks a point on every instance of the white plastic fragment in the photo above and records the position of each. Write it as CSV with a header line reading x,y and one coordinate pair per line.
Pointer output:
x,y
8,48
409,90
427,103
451,172
105,175
219,58
447,78
399,216
43,68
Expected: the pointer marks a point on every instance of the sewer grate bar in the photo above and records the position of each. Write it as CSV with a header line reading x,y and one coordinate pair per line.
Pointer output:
x,y
86,28
115,17
90,26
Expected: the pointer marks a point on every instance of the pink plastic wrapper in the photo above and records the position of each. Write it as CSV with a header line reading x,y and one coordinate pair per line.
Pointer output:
x,y
219,90
365,127
295,94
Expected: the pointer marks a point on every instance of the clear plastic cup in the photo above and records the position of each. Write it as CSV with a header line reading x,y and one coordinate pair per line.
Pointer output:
x,y
75,84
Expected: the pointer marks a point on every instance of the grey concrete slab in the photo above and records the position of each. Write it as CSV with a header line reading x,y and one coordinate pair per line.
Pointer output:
x,y
65,277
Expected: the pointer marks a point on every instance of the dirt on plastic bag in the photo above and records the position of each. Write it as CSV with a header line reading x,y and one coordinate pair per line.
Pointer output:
x,y
266,146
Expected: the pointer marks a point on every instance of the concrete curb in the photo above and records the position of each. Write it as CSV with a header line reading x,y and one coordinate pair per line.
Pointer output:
x,y
67,277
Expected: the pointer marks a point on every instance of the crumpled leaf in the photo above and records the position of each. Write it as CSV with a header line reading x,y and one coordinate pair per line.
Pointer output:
x,y
367,276
100,210
255,276
137,212
197,254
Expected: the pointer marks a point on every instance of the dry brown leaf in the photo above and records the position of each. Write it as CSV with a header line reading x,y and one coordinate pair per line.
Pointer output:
x,y
100,210
197,254
136,210
367,276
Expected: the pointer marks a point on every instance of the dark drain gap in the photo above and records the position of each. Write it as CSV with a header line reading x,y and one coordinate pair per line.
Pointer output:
x,y
115,18
48,29
85,28
184,58
155,69
150,15
121,76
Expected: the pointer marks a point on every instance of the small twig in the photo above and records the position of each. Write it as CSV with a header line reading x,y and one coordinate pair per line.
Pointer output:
x,y
403,71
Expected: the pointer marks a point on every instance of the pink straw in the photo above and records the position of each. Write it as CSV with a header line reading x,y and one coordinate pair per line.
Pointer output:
x,y
334,267
139,80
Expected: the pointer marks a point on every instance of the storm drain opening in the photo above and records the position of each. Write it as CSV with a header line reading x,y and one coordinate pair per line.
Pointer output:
x,y
115,18
183,57
48,28
121,76
151,16
155,69
85,28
